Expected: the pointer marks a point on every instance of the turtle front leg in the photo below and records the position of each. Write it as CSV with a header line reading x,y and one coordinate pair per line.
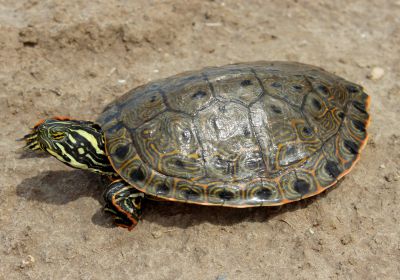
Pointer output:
x,y
124,203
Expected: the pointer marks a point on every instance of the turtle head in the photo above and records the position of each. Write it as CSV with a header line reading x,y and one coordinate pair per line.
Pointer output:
x,y
79,144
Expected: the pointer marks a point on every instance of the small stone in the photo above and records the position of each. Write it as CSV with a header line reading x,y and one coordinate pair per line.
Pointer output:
x,y
29,37
112,71
382,166
213,24
376,73
157,234
27,262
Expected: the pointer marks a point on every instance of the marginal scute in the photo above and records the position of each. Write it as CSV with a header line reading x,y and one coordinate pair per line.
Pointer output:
x,y
297,184
301,186
224,194
187,191
331,167
137,174
351,146
243,135
263,192
356,129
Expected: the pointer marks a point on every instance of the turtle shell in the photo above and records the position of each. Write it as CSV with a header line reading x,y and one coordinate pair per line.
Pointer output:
x,y
242,135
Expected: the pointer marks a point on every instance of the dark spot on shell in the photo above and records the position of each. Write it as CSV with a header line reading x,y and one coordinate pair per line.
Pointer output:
x,y
351,146
301,186
190,194
307,131
199,94
121,151
222,108
215,124
263,194
162,189
153,98
276,109
226,195
245,83
341,115
360,107
316,104
359,125
219,161
297,87
324,89
179,163
246,131
276,84
186,135
332,169
137,175
352,89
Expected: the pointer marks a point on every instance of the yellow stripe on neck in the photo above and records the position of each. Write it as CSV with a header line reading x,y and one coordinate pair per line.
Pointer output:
x,y
91,139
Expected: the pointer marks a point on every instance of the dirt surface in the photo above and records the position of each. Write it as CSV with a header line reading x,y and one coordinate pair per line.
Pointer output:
x,y
73,58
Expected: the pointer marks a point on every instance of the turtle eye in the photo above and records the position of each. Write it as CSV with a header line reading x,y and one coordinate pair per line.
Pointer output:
x,y
58,135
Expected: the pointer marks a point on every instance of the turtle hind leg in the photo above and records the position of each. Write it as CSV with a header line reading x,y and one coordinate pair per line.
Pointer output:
x,y
124,203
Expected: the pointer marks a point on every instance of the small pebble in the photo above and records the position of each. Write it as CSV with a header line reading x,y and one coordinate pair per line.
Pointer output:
x,y
111,71
376,73
122,81
157,234
27,262
213,24
382,166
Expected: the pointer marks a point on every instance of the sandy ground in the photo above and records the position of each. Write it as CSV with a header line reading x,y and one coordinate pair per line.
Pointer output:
x,y
73,58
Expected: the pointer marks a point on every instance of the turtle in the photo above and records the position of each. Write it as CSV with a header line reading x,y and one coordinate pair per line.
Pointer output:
x,y
241,135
